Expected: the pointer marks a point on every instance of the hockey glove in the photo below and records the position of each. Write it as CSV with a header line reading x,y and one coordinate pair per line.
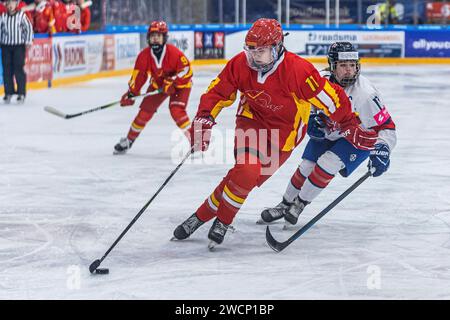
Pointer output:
x,y
200,133
360,138
168,87
316,127
126,100
379,159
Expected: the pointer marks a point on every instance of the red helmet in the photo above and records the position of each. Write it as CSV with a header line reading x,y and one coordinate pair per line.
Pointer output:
x,y
158,26
264,32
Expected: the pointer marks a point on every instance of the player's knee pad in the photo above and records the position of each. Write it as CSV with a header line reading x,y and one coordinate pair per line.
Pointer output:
x,y
330,162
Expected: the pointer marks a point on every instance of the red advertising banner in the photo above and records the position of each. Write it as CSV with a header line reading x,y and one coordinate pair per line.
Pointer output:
x,y
438,11
38,63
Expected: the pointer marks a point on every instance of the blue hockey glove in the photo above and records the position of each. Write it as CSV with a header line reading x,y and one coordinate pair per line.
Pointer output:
x,y
316,127
379,159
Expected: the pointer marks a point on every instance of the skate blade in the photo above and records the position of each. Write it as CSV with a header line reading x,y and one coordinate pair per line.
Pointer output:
x,y
262,222
176,239
212,245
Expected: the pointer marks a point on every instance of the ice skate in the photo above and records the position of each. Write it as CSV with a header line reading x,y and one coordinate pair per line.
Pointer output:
x,y
217,233
296,208
20,99
7,99
188,227
272,214
123,146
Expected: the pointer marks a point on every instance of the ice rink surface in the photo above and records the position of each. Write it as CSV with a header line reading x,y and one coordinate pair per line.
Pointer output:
x,y
64,198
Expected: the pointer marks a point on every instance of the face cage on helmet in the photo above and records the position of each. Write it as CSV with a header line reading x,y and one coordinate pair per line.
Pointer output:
x,y
345,82
262,67
165,37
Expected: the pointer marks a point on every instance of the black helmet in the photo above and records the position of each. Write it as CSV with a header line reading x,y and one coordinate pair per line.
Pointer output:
x,y
343,51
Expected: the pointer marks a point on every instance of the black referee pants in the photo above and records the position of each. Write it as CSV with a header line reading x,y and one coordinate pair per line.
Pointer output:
x,y
13,60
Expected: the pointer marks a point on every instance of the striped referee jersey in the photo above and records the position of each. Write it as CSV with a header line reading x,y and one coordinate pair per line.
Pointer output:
x,y
15,29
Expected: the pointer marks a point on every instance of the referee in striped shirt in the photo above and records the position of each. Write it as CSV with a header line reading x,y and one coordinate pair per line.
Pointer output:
x,y
16,32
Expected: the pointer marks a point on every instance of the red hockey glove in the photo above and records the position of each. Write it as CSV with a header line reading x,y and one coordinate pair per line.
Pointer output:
x,y
360,138
126,100
200,133
168,86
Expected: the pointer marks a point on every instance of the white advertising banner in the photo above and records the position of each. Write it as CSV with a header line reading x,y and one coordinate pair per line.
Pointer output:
x,y
234,43
127,48
183,40
316,43
77,55
69,56
95,45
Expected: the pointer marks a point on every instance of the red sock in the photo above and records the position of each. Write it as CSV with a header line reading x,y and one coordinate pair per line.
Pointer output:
x,y
179,115
139,124
319,177
208,209
298,179
242,179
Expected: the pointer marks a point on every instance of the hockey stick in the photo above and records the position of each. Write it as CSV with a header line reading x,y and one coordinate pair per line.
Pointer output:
x,y
94,265
69,116
278,246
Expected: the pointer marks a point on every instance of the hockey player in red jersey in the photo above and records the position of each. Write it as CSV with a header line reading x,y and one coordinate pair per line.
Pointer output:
x,y
62,11
170,73
327,152
276,89
43,17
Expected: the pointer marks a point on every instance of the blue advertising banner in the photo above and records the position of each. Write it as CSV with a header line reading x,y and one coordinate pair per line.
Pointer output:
x,y
427,43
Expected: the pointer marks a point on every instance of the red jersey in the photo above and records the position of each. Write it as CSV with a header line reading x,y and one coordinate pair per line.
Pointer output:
x,y
172,64
279,99
3,8
44,20
62,12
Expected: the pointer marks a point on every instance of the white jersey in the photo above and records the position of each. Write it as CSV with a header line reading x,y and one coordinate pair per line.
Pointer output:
x,y
367,102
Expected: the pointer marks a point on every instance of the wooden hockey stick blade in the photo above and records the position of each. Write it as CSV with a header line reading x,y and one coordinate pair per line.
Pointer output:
x,y
55,112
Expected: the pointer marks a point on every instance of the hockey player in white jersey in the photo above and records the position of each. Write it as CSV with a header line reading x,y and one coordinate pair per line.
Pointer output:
x,y
327,152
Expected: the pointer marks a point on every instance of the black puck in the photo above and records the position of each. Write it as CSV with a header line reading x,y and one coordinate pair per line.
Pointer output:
x,y
102,271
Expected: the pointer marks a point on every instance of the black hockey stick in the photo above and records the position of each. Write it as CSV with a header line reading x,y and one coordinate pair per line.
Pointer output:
x,y
278,246
94,265
58,113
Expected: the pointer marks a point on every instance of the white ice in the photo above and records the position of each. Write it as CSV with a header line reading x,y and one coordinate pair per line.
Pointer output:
x,y
64,198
